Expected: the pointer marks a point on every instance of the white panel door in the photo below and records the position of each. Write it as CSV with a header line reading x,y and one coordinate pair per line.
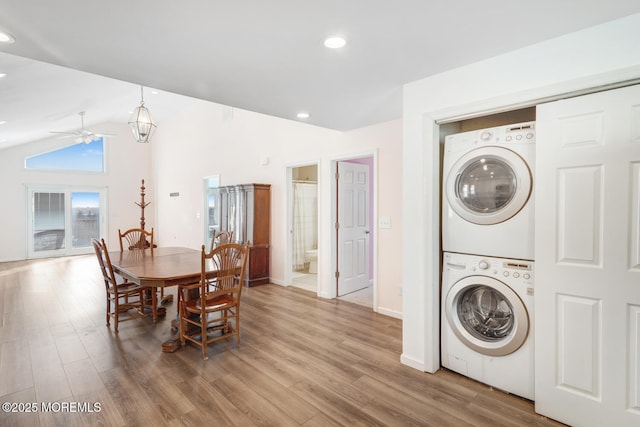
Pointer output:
x,y
353,227
587,301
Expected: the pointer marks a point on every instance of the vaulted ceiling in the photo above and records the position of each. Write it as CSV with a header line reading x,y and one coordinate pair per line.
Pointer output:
x,y
263,56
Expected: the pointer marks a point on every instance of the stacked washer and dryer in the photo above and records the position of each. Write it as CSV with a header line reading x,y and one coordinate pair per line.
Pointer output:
x,y
488,244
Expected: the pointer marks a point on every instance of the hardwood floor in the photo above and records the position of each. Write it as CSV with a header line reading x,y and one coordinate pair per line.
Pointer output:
x,y
302,361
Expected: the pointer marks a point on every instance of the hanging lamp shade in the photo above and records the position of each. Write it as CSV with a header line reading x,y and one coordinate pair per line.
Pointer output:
x,y
141,122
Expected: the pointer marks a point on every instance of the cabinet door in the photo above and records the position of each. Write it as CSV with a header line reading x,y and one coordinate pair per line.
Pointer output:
x,y
235,213
258,213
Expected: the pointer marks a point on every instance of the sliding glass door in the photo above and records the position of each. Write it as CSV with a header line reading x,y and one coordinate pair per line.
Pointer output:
x,y
63,221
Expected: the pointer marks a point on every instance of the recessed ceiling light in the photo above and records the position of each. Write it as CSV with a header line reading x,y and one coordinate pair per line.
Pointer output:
x,y
303,115
335,42
2,75
2,122
6,37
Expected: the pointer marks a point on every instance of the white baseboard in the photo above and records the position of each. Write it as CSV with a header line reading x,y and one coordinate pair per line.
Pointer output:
x,y
390,313
416,364
413,363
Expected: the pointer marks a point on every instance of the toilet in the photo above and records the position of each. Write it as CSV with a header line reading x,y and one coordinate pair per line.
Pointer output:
x,y
311,256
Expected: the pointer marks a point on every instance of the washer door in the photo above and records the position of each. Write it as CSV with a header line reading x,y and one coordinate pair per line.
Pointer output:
x,y
489,185
487,315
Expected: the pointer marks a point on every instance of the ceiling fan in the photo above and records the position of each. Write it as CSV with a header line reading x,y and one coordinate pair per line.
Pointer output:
x,y
83,134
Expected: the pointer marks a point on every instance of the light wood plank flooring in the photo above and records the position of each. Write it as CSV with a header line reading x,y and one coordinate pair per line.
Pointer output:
x,y
302,361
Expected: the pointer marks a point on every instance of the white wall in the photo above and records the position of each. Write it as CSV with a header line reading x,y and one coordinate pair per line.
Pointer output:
x,y
588,58
200,142
127,162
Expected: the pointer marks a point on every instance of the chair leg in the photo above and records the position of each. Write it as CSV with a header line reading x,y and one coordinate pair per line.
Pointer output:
x,y
181,314
237,322
180,327
203,338
116,315
179,298
108,310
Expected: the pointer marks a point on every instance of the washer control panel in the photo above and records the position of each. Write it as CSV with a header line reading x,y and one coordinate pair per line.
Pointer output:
x,y
514,271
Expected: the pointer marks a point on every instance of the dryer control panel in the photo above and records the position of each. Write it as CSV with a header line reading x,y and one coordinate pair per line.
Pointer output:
x,y
510,134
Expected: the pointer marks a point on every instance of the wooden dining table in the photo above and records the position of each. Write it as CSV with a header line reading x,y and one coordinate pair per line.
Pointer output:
x,y
159,267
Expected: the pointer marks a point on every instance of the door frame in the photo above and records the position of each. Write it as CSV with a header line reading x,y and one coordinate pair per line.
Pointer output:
x,y
332,291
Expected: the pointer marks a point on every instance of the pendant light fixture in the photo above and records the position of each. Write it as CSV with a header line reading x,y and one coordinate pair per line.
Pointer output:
x,y
141,122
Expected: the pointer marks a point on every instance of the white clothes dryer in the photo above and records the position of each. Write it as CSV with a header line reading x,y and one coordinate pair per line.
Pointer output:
x,y
487,321
488,192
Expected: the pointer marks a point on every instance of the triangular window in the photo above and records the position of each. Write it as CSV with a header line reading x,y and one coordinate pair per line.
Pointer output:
x,y
84,157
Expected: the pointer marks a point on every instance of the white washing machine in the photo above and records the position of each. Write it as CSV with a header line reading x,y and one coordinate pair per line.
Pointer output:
x,y
487,321
488,192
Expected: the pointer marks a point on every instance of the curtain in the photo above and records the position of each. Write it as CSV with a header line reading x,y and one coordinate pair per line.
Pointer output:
x,y
305,221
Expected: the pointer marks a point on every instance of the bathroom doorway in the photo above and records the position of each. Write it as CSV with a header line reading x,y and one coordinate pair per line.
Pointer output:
x,y
304,227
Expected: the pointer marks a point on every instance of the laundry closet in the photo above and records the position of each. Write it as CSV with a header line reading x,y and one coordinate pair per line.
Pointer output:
x,y
571,330
487,240
586,186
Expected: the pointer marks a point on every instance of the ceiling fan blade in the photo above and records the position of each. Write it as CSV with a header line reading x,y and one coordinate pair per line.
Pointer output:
x,y
64,134
83,133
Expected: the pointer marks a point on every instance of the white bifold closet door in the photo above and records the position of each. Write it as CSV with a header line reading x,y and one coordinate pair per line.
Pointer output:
x,y
587,290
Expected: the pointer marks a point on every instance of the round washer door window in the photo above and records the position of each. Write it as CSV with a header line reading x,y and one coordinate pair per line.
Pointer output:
x,y
487,315
489,185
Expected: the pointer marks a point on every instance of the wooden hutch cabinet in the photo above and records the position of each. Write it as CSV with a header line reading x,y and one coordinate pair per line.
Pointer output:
x,y
245,209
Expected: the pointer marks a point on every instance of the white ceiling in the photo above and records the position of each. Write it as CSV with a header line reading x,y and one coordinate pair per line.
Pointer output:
x,y
263,56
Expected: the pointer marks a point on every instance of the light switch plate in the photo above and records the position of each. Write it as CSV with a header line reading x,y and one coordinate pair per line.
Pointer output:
x,y
384,223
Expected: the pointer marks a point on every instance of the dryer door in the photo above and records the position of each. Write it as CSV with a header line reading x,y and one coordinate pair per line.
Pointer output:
x,y
487,315
489,185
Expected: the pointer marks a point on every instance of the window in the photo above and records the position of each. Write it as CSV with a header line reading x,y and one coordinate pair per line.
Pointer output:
x,y
212,200
63,221
84,157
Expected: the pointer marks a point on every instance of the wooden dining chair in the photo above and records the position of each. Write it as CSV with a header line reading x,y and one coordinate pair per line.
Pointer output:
x,y
215,313
135,238
221,238
125,296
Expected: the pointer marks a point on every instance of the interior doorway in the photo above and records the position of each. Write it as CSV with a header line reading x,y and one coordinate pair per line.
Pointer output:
x,y
303,211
